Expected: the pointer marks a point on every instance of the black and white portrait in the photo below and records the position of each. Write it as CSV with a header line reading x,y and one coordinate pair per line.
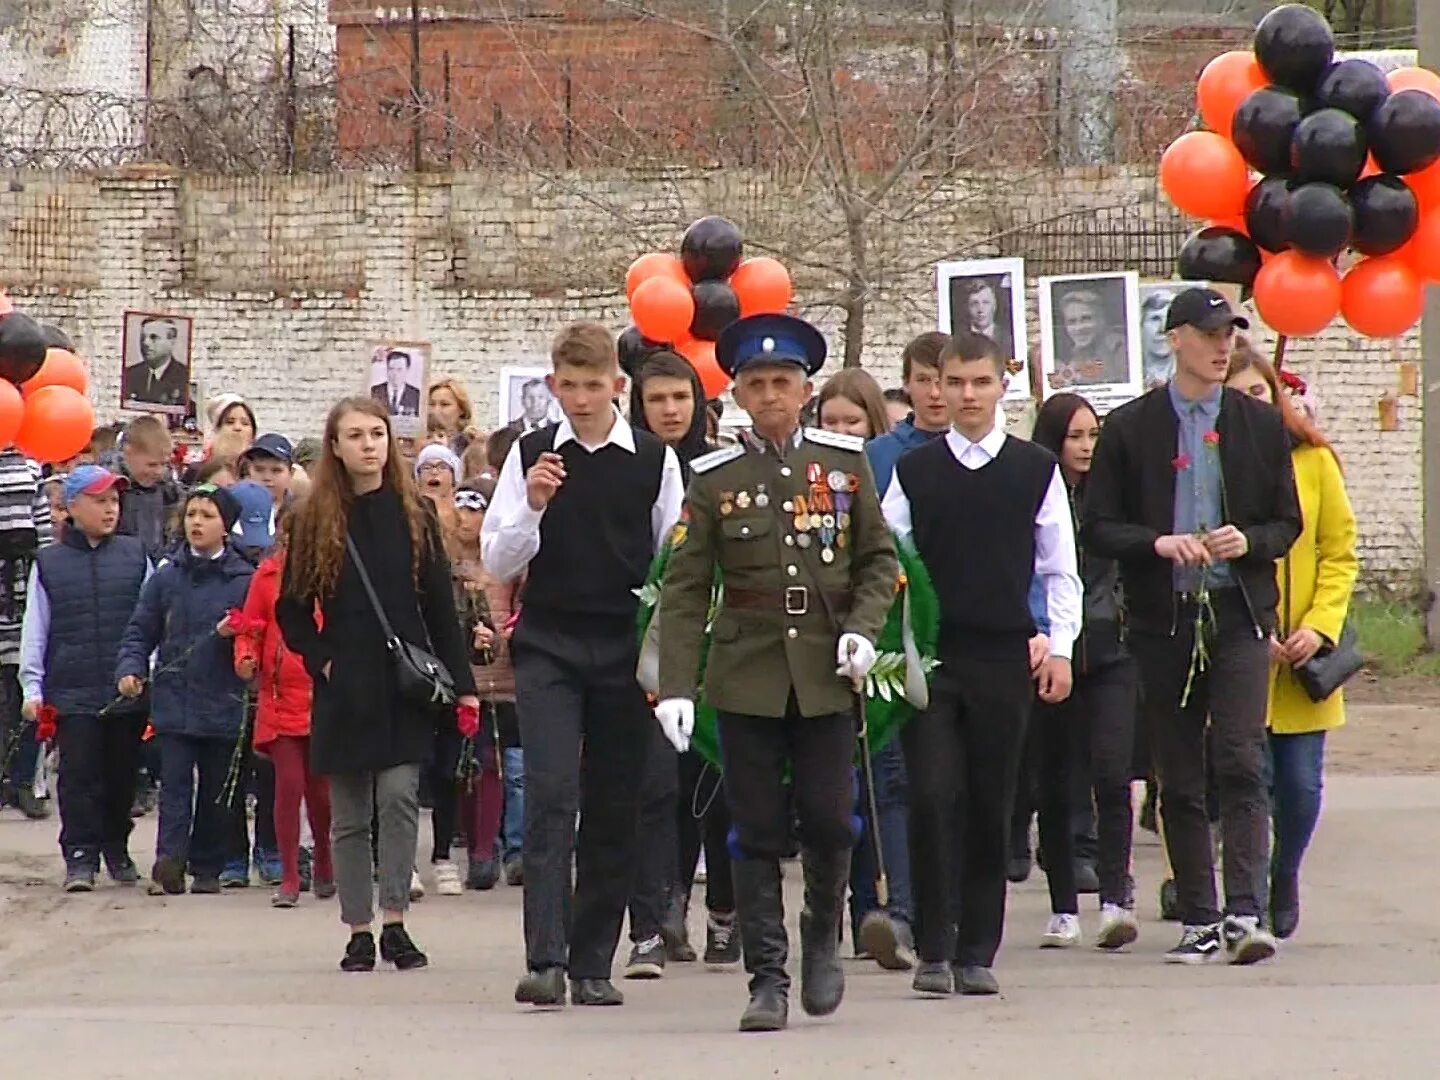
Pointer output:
x,y
155,363
397,381
1157,356
987,296
526,402
1089,342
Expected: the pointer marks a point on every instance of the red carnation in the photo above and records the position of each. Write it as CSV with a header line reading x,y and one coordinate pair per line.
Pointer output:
x,y
1181,463
1212,438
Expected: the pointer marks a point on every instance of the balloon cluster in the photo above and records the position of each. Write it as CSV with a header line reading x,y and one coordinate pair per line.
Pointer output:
x,y
683,304
1349,161
44,410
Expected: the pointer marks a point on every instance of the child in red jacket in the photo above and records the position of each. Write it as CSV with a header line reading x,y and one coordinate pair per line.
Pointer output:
x,y
282,730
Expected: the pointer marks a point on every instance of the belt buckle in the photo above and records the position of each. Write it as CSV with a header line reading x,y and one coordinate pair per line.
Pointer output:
x,y
797,600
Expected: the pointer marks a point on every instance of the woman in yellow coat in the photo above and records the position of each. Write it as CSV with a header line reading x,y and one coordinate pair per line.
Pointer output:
x,y
1316,580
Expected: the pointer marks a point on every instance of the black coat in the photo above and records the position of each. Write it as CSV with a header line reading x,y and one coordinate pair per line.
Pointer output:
x,y
359,722
1130,501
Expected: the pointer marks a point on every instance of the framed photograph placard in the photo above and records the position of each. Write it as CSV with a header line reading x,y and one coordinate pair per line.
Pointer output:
x,y
526,402
155,367
396,378
1090,339
987,296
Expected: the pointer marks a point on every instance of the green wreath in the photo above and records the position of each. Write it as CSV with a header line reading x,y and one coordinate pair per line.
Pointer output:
x,y
905,653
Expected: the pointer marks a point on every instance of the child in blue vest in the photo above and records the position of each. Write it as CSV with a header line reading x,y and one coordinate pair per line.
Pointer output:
x,y
197,704
81,593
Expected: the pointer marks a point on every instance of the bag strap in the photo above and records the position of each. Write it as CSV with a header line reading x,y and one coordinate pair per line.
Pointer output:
x,y
385,626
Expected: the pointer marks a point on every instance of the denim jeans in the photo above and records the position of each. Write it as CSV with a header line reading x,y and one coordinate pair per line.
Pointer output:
x,y
1295,767
513,833
892,804
192,821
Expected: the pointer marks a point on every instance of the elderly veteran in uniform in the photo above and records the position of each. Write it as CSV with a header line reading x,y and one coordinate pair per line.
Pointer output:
x,y
792,519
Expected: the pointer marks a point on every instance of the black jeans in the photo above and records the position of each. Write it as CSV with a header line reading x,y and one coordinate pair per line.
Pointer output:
x,y
818,750
1105,703
659,846
963,758
586,728
703,820
444,791
1054,745
98,760
1232,693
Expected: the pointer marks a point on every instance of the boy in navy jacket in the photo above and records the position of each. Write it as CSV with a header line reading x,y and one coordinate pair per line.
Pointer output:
x,y
80,595
197,705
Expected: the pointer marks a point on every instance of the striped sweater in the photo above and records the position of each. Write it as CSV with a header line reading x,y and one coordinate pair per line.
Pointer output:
x,y
23,507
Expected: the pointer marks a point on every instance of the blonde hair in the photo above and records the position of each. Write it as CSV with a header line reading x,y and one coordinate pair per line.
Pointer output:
x,y
587,345
462,398
148,435
860,389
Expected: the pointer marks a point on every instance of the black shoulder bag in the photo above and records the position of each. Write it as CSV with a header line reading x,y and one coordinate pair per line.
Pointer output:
x,y
1331,667
422,678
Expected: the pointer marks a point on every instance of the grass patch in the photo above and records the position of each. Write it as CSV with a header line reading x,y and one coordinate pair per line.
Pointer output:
x,y
1392,638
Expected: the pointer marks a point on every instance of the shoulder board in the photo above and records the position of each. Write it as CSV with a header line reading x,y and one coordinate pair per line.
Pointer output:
x,y
836,439
713,460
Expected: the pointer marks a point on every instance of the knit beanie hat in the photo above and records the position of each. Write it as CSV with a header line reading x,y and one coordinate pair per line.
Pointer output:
x,y
439,452
226,503
220,404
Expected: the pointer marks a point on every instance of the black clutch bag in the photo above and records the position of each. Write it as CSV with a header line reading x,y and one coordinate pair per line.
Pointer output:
x,y
1331,667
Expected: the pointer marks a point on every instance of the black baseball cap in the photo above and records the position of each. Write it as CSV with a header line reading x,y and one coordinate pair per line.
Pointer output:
x,y
1204,309
275,446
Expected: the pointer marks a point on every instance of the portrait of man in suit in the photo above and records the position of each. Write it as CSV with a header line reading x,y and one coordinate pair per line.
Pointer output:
x,y
156,376
399,391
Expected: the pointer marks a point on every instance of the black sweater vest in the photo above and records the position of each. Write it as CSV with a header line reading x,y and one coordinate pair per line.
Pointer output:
x,y
975,531
596,542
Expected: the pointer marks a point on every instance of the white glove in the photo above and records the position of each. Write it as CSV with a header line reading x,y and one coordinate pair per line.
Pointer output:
x,y
677,721
855,657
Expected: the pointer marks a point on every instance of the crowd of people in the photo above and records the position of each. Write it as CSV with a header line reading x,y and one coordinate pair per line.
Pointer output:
x,y
285,650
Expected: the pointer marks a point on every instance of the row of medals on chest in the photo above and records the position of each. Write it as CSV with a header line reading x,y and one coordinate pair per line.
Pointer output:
x,y
823,515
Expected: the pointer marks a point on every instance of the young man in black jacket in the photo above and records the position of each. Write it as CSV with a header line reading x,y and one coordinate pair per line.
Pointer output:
x,y
1192,491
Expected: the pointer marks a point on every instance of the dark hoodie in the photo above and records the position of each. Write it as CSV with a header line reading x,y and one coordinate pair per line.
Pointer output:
x,y
694,443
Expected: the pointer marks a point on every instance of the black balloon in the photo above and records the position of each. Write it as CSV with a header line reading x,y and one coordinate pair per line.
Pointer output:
x,y
22,347
1329,146
1294,46
1405,132
1264,128
1319,220
1386,214
716,307
1265,213
1357,86
634,349
55,338
1219,254
711,249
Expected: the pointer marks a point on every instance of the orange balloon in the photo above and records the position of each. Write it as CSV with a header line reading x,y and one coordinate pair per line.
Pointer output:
x,y
61,368
663,309
655,264
12,411
1227,81
1426,185
1372,167
701,355
1205,176
763,286
1382,297
1237,223
1297,295
1422,251
1414,78
57,424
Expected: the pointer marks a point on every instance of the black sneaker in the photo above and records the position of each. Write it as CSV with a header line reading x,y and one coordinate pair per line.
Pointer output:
x,y
204,885
396,947
30,804
482,874
647,959
121,866
359,953
722,942
1198,945
514,870
169,875
79,879
1246,942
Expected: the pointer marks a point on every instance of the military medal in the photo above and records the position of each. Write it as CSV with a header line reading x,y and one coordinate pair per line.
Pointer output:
x,y
726,501
838,481
762,500
827,556
803,539
743,500
802,516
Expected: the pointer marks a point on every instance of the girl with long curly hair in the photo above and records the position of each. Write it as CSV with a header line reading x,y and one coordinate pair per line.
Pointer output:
x,y
369,740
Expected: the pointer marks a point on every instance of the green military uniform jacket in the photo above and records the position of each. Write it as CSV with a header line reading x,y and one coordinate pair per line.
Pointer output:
x,y
772,525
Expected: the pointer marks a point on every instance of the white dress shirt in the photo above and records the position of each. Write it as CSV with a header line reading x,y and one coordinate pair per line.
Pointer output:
x,y
510,537
1055,561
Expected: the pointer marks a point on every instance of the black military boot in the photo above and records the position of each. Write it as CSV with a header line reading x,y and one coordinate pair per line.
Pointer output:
x,y
822,979
760,911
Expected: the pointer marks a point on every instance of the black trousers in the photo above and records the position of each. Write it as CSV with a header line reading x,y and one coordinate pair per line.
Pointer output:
x,y
586,729
658,854
1232,694
444,790
1104,703
756,750
703,821
963,758
99,757
259,780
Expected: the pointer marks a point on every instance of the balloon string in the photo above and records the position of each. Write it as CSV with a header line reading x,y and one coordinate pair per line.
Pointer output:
x,y
1279,361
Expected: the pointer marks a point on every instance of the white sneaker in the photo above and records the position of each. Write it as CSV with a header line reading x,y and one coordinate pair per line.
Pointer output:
x,y
447,879
1118,927
417,887
1063,932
